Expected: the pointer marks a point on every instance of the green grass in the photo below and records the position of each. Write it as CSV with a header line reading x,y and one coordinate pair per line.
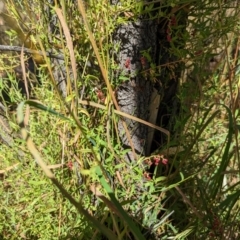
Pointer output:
x,y
88,190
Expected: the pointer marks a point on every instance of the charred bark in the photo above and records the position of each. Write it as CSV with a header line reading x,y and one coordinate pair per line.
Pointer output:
x,y
136,39
144,45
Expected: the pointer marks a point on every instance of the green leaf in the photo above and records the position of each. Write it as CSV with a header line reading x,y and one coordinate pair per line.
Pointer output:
x,y
40,106
135,230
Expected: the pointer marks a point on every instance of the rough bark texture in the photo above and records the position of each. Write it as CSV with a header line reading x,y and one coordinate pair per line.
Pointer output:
x,y
133,95
154,38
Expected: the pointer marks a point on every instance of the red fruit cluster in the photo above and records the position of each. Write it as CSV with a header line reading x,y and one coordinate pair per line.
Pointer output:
x,y
153,162
159,159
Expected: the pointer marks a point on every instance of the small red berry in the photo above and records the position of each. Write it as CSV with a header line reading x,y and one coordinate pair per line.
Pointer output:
x,y
156,160
100,95
164,161
127,63
70,165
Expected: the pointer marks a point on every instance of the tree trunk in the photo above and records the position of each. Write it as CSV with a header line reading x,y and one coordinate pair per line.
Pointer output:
x,y
137,43
145,61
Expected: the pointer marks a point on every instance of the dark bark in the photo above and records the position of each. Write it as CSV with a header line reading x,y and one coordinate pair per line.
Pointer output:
x,y
153,37
133,95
